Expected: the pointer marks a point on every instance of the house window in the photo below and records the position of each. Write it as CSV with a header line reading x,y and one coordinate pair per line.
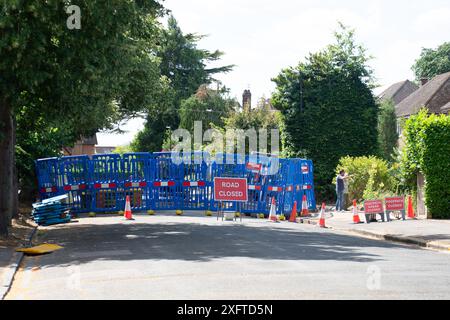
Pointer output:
x,y
399,127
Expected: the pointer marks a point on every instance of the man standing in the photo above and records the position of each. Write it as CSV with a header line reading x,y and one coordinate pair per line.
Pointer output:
x,y
340,189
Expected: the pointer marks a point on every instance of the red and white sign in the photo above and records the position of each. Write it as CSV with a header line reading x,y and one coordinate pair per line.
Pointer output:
x,y
194,183
275,189
230,189
75,187
105,185
373,206
305,169
255,167
141,184
395,204
164,184
48,190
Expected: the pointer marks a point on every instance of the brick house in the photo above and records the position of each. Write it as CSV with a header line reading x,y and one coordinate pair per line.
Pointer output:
x,y
398,91
435,96
86,145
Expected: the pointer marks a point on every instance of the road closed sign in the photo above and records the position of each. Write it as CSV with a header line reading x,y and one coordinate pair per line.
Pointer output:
x,y
230,189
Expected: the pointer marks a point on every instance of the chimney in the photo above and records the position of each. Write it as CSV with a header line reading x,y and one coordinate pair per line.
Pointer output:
x,y
247,100
423,81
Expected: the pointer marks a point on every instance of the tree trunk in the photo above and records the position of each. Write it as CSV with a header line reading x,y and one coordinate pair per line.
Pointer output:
x,y
6,166
15,189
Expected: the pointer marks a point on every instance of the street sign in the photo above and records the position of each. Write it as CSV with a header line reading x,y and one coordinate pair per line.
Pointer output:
x,y
230,189
395,204
254,167
373,206
305,169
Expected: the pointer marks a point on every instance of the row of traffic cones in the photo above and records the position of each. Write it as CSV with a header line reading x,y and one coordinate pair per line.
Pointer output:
x,y
293,218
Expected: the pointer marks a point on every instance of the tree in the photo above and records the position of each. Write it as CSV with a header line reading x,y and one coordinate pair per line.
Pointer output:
x,y
207,105
432,62
260,118
185,66
77,80
328,107
387,130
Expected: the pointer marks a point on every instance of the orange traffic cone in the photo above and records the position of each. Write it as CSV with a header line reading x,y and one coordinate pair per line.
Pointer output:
x,y
355,214
305,212
411,214
128,215
322,217
273,211
294,213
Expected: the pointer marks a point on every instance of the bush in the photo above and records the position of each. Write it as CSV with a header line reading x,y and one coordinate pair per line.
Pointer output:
x,y
428,151
370,177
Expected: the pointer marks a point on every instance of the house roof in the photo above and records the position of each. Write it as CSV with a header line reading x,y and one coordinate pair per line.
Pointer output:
x,y
398,91
446,108
421,97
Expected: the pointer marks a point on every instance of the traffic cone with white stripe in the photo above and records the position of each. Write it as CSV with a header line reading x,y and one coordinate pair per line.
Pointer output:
x,y
356,219
293,217
273,211
128,215
322,217
305,212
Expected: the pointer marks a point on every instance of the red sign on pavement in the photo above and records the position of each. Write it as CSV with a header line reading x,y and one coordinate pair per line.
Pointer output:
x,y
373,206
395,204
230,189
256,167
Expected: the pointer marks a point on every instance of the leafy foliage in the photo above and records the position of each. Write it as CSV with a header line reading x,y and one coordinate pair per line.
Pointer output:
x,y
387,130
207,105
427,150
432,62
260,118
370,177
328,107
185,66
72,82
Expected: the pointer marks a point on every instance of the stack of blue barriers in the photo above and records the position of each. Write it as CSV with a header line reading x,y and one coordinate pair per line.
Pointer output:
x,y
51,211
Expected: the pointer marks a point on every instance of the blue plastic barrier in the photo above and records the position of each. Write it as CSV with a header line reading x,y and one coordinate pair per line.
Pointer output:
x,y
166,188
105,177
154,181
135,173
194,191
74,175
48,177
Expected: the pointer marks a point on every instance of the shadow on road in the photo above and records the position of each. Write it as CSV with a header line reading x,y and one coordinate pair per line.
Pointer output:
x,y
200,242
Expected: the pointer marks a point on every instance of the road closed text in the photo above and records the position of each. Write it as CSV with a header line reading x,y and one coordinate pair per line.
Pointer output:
x,y
230,189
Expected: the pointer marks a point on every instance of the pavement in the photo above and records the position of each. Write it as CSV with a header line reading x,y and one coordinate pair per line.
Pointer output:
x,y
433,234
197,257
9,263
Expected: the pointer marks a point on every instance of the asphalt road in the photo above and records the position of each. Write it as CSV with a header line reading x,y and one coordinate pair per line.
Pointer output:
x,y
169,257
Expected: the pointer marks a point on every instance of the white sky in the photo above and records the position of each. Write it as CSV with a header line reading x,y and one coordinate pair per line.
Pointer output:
x,y
263,36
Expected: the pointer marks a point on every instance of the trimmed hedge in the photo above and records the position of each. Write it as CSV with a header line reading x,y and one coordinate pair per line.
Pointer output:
x,y
428,151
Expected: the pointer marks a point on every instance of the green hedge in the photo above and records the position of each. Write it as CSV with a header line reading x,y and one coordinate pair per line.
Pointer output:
x,y
427,150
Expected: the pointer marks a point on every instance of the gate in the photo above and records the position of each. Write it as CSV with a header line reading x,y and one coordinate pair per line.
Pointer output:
x,y
74,174
135,171
105,174
48,178
166,189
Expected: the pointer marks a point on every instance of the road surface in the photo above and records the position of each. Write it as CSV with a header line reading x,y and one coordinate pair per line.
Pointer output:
x,y
170,257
